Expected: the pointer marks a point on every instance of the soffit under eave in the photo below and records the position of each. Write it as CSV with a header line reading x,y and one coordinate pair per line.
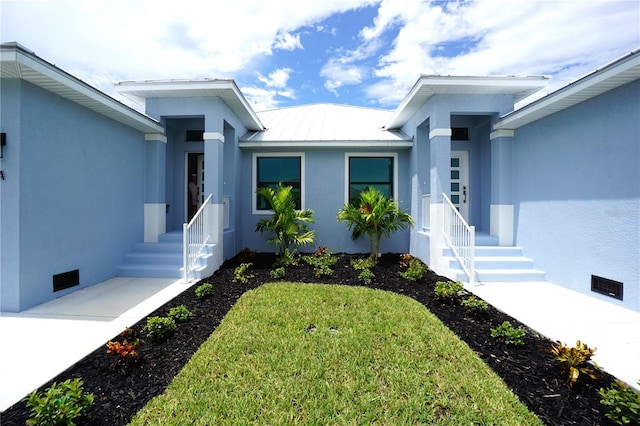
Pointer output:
x,y
16,64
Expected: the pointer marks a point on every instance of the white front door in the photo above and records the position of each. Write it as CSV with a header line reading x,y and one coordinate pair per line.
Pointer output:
x,y
460,182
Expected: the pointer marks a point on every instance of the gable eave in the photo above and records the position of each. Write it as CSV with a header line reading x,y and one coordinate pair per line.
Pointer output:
x,y
20,63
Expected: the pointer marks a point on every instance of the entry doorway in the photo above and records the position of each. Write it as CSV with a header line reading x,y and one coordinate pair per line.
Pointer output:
x,y
460,182
195,175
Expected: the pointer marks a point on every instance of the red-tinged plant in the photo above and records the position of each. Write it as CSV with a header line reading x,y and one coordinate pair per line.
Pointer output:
x,y
127,350
574,360
405,260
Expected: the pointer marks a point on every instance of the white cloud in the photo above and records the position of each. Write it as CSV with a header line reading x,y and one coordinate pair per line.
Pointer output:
x,y
564,39
277,78
287,41
338,73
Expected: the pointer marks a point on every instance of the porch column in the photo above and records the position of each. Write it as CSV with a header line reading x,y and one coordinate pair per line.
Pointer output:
x,y
214,182
440,183
155,210
502,209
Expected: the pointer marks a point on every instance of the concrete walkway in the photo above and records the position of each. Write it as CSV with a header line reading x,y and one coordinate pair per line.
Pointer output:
x,y
41,342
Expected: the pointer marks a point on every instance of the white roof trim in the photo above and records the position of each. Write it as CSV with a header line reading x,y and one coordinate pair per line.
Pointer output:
x,y
608,77
225,89
428,85
21,63
327,144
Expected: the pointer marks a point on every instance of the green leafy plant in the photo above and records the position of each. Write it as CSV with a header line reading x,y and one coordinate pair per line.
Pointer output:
x,y
204,290
287,258
157,328
415,270
449,290
366,275
125,351
241,275
622,402
322,261
59,404
362,264
509,334
375,216
472,304
277,273
288,225
180,313
574,360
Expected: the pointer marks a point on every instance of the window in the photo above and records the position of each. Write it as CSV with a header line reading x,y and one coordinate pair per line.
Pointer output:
x,y
270,170
377,170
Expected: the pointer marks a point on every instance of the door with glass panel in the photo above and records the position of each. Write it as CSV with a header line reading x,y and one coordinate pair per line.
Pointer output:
x,y
460,182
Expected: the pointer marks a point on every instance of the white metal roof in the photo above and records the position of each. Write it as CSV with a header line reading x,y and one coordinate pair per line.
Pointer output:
x,y
18,62
325,125
429,85
608,77
225,89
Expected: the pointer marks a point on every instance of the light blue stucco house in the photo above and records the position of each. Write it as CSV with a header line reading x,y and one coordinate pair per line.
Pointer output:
x,y
91,189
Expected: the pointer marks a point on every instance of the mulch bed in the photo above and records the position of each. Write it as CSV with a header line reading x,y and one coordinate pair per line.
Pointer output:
x,y
532,373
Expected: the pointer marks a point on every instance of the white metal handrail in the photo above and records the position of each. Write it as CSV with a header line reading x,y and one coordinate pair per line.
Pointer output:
x,y
460,237
196,235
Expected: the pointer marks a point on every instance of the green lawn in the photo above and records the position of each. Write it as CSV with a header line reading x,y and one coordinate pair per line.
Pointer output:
x,y
292,353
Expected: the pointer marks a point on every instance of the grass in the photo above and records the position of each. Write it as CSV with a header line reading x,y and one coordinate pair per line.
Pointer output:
x,y
290,353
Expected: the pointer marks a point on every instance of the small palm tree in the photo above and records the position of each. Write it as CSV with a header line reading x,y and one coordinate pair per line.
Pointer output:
x,y
288,225
376,216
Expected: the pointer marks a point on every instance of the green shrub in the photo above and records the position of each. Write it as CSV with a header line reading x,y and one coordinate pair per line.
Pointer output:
x,y
415,270
509,334
366,275
277,272
361,264
622,402
180,314
574,360
158,328
240,273
449,290
203,291
322,262
61,403
474,305
286,258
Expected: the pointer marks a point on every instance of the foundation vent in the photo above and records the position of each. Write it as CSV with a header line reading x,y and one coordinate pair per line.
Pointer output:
x,y
606,286
66,280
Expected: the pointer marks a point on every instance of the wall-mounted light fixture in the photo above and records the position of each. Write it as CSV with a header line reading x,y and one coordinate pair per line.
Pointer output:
x,y
3,143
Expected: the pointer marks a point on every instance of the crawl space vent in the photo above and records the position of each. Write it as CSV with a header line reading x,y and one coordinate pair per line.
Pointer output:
x,y
66,280
606,286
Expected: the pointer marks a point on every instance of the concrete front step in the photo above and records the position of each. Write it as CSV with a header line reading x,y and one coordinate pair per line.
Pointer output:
x,y
149,271
497,264
155,260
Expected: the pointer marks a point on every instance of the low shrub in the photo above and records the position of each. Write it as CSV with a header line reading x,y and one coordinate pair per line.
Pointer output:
x,y
366,275
405,259
60,404
449,290
287,258
180,314
509,334
204,290
622,402
277,273
415,270
322,261
125,351
240,273
246,255
158,328
574,360
474,305
362,264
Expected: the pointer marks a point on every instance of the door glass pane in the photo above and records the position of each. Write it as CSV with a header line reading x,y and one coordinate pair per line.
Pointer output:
x,y
455,174
455,199
455,162
455,187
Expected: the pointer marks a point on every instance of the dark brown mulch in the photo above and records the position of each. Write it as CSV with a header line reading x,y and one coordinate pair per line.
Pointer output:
x,y
531,372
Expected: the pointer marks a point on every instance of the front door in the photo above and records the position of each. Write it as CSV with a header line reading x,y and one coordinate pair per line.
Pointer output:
x,y
460,182
195,174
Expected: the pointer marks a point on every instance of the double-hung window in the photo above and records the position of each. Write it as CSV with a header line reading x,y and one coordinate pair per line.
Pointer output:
x,y
270,169
379,170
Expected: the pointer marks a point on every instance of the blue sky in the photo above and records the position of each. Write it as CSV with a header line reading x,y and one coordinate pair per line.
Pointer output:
x,y
292,52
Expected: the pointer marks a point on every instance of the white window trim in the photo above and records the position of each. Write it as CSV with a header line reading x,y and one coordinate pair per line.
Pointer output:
x,y
254,178
348,155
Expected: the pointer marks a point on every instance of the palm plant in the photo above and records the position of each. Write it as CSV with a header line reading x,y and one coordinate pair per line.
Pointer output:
x,y
374,215
288,225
